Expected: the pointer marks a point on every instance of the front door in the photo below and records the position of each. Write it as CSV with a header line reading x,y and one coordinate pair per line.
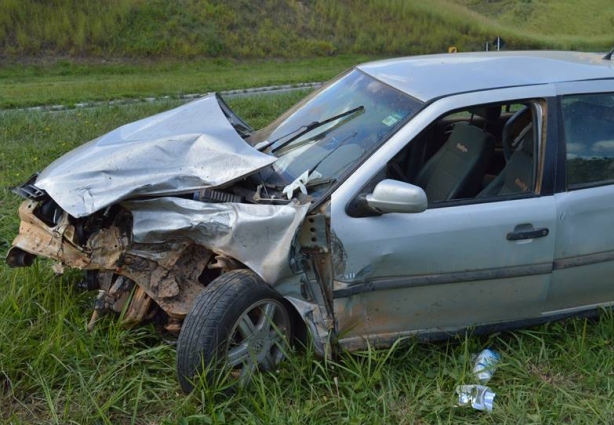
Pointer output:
x,y
460,263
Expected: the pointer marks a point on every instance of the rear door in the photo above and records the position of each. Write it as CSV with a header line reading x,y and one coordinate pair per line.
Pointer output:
x,y
583,274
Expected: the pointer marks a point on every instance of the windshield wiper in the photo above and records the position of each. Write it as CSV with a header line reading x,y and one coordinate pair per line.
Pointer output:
x,y
306,129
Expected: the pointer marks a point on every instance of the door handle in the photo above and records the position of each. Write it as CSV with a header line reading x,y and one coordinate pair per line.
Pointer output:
x,y
524,231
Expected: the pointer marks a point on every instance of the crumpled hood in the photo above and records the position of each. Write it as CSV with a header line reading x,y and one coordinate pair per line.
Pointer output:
x,y
178,151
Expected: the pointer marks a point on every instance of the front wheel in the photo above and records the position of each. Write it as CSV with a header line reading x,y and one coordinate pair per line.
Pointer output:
x,y
239,322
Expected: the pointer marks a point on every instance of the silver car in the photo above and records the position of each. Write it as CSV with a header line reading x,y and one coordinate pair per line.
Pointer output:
x,y
415,196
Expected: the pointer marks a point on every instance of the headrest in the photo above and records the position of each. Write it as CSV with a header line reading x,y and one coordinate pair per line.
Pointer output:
x,y
489,113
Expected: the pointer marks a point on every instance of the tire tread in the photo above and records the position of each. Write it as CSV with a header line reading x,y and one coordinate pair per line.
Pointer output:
x,y
215,310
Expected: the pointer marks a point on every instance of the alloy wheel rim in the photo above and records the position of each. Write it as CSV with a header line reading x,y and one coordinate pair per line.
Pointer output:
x,y
258,339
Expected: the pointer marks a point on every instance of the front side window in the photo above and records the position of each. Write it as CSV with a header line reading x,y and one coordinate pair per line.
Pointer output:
x,y
588,121
480,152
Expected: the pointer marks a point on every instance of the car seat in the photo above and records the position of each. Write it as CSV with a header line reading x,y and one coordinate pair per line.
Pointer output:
x,y
457,169
517,175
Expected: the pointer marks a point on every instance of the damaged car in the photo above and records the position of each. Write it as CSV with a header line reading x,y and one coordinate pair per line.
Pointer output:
x,y
419,196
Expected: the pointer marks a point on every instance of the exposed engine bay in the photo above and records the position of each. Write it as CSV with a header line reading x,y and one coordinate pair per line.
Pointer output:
x,y
151,236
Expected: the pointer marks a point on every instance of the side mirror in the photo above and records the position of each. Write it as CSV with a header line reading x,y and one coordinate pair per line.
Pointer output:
x,y
391,196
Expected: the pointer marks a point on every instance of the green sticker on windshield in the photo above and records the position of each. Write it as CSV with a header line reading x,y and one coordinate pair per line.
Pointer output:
x,y
391,120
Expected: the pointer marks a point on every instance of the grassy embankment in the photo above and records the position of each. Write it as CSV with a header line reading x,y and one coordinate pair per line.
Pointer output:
x,y
290,28
52,371
199,46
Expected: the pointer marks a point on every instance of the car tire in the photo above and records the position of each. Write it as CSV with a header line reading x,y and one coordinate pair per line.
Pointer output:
x,y
238,322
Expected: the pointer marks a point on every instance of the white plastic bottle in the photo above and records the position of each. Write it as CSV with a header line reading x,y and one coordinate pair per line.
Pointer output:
x,y
485,364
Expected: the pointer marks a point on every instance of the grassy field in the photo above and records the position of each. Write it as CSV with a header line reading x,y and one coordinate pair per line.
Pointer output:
x,y
65,82
53,371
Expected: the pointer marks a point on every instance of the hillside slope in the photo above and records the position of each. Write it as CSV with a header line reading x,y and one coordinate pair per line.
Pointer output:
x,y
557,18
292,28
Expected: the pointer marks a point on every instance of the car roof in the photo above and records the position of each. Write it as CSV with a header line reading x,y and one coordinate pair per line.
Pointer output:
x,y
432,76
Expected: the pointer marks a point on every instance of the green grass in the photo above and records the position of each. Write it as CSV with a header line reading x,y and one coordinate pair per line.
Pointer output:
x,y
291,29
53,371
65,82
65,52
585,18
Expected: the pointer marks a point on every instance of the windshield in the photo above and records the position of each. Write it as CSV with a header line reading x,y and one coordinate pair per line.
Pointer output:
x,y
332,129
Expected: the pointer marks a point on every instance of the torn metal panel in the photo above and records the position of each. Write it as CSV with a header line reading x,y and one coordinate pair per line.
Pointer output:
x,y
316,323
167,272
53,242
106,247
313,234
314,240
119,294
165,254
138,308
259,236
178,151
173,286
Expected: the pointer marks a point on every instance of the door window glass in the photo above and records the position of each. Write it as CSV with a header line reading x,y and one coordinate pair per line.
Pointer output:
x,y
481,152
470,155
588,122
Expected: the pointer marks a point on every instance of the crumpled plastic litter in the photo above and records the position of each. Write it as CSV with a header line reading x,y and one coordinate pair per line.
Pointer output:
x,y
480,397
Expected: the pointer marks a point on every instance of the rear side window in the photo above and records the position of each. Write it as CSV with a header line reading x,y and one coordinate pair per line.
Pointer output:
x,y
588,122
